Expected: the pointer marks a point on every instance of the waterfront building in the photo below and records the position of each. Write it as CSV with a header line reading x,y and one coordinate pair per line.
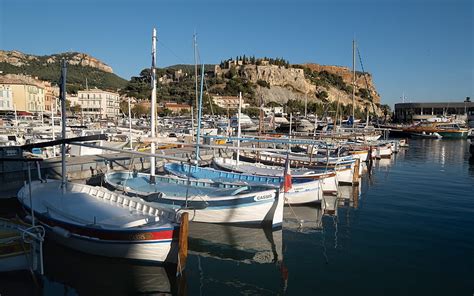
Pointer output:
x,y
273,110
427,111
97,103
27,92
228,102
51,96
6,98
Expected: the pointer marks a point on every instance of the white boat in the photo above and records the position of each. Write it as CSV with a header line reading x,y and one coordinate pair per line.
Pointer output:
x,y
382,151
205,201
344,170
302,191
76,150
97,221
360,154
245,122
328,179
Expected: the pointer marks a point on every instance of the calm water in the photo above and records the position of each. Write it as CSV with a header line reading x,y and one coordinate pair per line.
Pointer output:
x,y
411,232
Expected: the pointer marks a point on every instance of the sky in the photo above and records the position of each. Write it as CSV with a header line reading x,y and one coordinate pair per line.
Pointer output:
x,y
420,48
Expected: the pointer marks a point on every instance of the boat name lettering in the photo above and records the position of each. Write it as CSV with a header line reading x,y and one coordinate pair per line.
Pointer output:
x,y
263,197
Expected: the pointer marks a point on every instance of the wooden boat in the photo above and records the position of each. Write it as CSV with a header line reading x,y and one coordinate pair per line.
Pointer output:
x,y
302,191
382,151
97,221
360,154
344,170
424,135
328,178
446,130
205,201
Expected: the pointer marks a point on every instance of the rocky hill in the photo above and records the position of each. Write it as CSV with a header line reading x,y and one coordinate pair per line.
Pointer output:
x,y
81,67
312,82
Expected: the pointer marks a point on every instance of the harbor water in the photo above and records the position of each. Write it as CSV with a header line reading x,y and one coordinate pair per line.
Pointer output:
x,y
409,232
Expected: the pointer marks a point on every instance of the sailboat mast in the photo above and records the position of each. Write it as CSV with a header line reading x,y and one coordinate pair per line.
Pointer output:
x,y
198,132
195,76
53,109
130,123
153,105
353,81
63,125
239,129
260,118
16,121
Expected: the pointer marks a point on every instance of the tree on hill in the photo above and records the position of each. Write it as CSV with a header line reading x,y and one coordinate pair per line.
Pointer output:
x,y
140,110
76,75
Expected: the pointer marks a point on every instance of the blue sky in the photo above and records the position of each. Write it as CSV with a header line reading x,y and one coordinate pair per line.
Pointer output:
x,y
418,47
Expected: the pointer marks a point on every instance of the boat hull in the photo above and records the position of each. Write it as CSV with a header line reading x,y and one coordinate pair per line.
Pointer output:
x,y
140,239
454,135
307,191
258,207
158,252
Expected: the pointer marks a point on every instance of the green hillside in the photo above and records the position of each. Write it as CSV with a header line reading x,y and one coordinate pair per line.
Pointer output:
x,y
76,74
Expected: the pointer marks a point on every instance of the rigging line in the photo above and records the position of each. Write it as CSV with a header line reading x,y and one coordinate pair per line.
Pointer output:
x,y
173,53
198,54
365,78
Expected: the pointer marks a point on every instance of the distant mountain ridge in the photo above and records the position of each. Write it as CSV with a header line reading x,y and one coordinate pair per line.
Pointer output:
x,y
81,67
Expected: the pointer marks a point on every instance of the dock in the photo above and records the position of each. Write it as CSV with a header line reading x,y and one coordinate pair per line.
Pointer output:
x,y
79,168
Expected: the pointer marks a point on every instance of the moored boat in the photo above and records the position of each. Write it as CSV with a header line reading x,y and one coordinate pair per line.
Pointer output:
x,y
97,221
344,169
445,129
302,191
328,178
205,201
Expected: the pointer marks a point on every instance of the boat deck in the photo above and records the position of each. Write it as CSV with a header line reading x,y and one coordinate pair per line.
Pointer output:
x,y
80,208
141,183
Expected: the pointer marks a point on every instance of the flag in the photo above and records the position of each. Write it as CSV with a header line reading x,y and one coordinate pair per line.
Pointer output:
x,y
287,175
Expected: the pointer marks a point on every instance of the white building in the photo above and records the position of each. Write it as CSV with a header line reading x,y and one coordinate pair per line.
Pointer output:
x,y
273,110
229,102
98,103
6,98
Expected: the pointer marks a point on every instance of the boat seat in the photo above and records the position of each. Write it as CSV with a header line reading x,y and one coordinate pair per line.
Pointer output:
x,y
153,197
239,190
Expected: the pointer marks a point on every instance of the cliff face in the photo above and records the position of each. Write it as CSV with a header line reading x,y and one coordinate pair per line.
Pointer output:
x,y
19,59
292,83
361,81
290,78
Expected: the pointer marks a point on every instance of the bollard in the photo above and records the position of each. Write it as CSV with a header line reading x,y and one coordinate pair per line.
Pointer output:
x,y
183,242
355,175
355,196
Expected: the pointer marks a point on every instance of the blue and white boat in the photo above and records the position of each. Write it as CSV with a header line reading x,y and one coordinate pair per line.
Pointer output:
x,y
327,178
205,201
303,190
343,166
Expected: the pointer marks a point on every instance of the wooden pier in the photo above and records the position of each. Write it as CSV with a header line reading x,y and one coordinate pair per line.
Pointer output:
x,y
12,174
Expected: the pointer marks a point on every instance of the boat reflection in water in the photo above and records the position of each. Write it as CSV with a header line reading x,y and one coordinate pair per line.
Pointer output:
x,y
349,195
242,244
304,219
227,258
94,275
